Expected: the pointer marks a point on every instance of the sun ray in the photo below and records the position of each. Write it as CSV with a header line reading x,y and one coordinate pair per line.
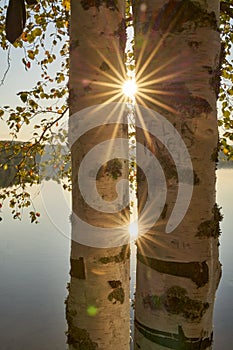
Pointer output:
x,y
149,59
118,104
107,93
122,65
141,53
161,79
158,92
108,62
140,97
155,71
107,75
112,139
142,122
145,241
102,83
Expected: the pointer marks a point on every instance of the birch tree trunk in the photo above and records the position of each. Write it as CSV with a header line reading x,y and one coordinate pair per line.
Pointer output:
x,y
177,43
97,307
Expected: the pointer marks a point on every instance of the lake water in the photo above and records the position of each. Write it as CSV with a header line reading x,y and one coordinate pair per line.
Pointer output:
x,y
34,271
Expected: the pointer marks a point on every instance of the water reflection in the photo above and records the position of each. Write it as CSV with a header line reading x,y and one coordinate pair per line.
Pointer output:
x,y
34,267
34,270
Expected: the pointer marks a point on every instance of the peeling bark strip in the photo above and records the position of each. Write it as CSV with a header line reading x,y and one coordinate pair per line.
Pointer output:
x,y
173,341
77,269
197,272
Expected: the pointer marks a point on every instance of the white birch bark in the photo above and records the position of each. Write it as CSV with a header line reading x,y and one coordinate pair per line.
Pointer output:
x,y
178,273
97,307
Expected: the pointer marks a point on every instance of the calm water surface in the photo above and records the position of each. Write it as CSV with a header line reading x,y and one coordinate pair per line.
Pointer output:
x,y
34,271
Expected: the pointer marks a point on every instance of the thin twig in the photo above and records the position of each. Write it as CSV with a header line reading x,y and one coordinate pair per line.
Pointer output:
x,y
8,67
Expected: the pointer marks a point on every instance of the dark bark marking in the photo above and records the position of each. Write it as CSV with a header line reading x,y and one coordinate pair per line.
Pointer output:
x,y
118,293
175,301
198,272
196,179
110,4
164,211
80,339
73,97
214,155
121,34
187,132
194,44
74,44
121,257
114,284
215,80
78,268
181,99
211,228
175,14
104,66
113,168
173,341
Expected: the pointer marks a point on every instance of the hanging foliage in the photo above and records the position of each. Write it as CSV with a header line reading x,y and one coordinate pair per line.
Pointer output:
x,y
40,30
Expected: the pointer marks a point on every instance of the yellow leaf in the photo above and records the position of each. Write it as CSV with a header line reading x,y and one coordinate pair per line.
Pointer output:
x,y
24,36
66,4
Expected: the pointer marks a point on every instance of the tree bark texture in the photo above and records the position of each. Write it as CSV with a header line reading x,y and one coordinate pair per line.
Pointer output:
x,y
97,307
177,43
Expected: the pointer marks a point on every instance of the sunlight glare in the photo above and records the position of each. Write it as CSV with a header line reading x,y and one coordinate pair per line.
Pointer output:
x,y
129,88
133,230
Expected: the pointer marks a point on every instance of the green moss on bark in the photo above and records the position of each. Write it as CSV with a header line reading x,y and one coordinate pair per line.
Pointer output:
x,y
79,338
113,168
176,301
211,228
122,256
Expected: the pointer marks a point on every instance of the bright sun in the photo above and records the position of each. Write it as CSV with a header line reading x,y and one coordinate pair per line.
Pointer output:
x,y
133,230
129,88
